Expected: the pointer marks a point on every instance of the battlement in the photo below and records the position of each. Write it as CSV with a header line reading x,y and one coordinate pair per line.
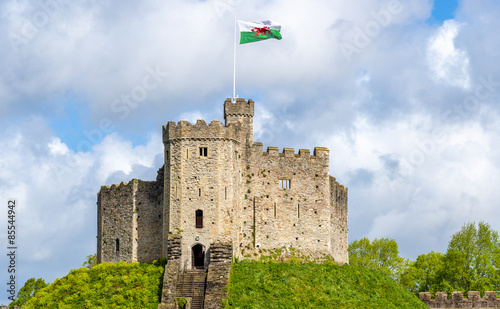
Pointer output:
x,y
240,108
321,152
184,129
115,188
457,300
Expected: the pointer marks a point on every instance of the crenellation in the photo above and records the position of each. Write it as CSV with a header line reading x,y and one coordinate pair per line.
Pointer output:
x,y
215,130
457,300
288,152
304,153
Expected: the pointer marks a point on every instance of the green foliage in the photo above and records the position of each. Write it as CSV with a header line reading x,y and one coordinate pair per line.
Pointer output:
x,y
106,285
284,285
90,261
381,254
425,274
30,288
181,301
473,259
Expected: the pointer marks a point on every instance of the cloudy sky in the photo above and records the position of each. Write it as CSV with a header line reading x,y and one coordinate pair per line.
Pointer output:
x,y
404,94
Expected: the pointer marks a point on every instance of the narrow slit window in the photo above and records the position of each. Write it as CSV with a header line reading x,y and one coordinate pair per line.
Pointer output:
x,y
298,211
187,153
199,192
199,219
203,151
285,184
225,193
117,245
275,210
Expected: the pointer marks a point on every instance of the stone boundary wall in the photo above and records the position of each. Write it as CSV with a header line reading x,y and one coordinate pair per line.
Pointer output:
x,y
171,273
457,300
219,269
7,307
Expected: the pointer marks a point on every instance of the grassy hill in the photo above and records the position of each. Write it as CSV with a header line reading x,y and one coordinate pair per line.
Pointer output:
x,y
253,285
280,285
104,286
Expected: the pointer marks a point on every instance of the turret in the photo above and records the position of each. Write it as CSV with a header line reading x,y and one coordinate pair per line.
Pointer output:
x,y
240,112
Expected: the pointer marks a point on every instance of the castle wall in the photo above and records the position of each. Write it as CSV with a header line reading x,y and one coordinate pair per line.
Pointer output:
x,y
339,227
457,300
116,206
131,214
149,209
273,217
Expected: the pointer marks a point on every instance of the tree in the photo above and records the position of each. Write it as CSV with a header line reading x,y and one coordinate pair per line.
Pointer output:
x,y
472,260
90,261
28,291
381,254
425,274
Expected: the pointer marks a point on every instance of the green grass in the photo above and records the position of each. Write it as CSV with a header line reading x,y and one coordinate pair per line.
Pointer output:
x,y
310,285
105,285
253,285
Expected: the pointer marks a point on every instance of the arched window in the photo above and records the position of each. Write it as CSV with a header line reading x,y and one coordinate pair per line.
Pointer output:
x,y
199,218
117,245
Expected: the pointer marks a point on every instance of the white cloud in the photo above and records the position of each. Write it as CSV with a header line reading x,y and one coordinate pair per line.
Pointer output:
x,y
448,64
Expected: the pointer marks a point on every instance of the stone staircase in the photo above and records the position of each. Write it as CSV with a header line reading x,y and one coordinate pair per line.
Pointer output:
x,y
191,283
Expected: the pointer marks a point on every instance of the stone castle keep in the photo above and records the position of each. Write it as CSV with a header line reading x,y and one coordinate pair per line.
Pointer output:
x,y
219,194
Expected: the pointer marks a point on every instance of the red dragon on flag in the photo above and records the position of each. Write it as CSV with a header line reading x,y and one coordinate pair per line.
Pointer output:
x,y
261,31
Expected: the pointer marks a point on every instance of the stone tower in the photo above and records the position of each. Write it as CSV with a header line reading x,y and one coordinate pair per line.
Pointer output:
x,y
217,186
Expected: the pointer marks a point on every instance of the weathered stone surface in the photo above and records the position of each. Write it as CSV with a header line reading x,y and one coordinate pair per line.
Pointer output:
x,y
457,300
219,270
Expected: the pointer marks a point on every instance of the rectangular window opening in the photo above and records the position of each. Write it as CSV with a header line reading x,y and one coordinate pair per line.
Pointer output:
x,y
203,151
285,184
199,192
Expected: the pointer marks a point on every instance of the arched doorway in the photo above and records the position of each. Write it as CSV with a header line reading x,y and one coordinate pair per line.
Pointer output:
x,y
198,255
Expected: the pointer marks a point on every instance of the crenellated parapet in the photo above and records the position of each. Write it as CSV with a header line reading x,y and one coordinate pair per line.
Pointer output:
x,y
319,152
200,130
457,300
239,108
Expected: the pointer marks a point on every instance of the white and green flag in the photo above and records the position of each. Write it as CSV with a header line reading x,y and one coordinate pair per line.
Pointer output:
x,y
258,31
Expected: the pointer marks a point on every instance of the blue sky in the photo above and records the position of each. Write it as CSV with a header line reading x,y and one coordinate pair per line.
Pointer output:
x,y
403,93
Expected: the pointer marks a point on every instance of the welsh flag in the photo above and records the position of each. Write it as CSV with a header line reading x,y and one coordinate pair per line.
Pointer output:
x,y
258,31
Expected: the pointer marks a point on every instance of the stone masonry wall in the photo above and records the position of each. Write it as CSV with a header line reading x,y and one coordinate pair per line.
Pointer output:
x,y
339,241
241,113
218,275
116,206
457,300
149,209
171,273
198,182
300,216
130,222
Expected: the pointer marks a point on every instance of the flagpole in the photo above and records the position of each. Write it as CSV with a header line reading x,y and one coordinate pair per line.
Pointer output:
x,y
234,62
